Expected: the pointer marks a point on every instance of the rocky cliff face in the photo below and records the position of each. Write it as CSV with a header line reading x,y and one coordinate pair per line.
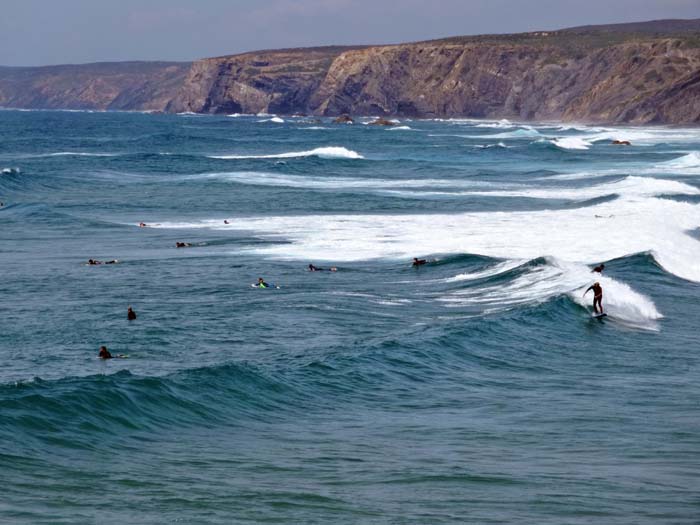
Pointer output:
x,y
270,81
116,86
636,82
635,73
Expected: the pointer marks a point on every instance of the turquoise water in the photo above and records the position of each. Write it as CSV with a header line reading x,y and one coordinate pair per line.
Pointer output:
x,y
473,389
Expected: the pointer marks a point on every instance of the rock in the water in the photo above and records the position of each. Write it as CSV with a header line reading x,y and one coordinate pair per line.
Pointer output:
x,y
382,122
343,119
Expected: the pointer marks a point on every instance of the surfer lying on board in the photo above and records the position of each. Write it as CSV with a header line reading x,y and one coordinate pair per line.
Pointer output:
x,y
419,262
597,297
104,353
262,283
313,268
93,262
599,268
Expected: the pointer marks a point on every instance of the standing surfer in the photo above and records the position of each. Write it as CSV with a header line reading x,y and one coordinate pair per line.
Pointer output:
x,y
597,297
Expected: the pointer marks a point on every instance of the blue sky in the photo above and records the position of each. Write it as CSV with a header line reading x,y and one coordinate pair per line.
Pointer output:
x,y
36,32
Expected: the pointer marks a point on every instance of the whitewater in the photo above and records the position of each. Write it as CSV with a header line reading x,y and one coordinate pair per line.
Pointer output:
x,y
475,388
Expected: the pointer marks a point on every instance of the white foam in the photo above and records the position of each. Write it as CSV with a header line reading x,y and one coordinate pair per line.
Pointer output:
x,y
59,154
487,146
689,162
275,120
576,143
520,133
329,152
78,154
488,272
504,123
400,128
644,136
257,178
587,235
555,278
628,187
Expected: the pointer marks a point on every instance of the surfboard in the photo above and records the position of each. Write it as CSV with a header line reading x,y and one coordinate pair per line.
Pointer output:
x,y
599,316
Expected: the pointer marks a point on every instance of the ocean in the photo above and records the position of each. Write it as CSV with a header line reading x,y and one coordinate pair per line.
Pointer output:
x,y
475,388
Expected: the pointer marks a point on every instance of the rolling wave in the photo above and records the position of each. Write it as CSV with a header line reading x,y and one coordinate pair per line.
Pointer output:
x,y
330,152
689,164
105,404
517,283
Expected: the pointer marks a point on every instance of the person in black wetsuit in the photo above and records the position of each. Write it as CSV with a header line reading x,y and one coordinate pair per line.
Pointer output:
x,y
130,314
313,268
599,268
597,297
104,353
419,262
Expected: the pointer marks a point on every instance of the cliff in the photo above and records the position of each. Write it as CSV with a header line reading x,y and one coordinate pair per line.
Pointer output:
x,y
281,81
633,73
107,85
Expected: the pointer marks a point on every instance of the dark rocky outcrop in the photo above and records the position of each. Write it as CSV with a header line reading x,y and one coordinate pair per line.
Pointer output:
x,y
382,122
635,73
343,119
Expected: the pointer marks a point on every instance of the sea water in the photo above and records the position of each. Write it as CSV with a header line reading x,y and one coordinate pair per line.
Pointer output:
x,y
473,389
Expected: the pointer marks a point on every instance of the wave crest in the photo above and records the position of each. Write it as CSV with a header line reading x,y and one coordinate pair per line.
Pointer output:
x,y
328,152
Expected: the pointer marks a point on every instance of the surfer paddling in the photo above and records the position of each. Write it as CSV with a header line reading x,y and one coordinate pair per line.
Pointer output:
x,y
597,297
313,268
598,269
419,262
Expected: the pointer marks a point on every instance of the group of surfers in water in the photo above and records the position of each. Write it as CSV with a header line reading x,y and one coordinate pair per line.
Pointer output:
x,y
106,354
131,315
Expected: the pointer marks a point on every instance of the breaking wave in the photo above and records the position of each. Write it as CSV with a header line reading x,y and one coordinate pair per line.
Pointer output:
x,y
330,152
